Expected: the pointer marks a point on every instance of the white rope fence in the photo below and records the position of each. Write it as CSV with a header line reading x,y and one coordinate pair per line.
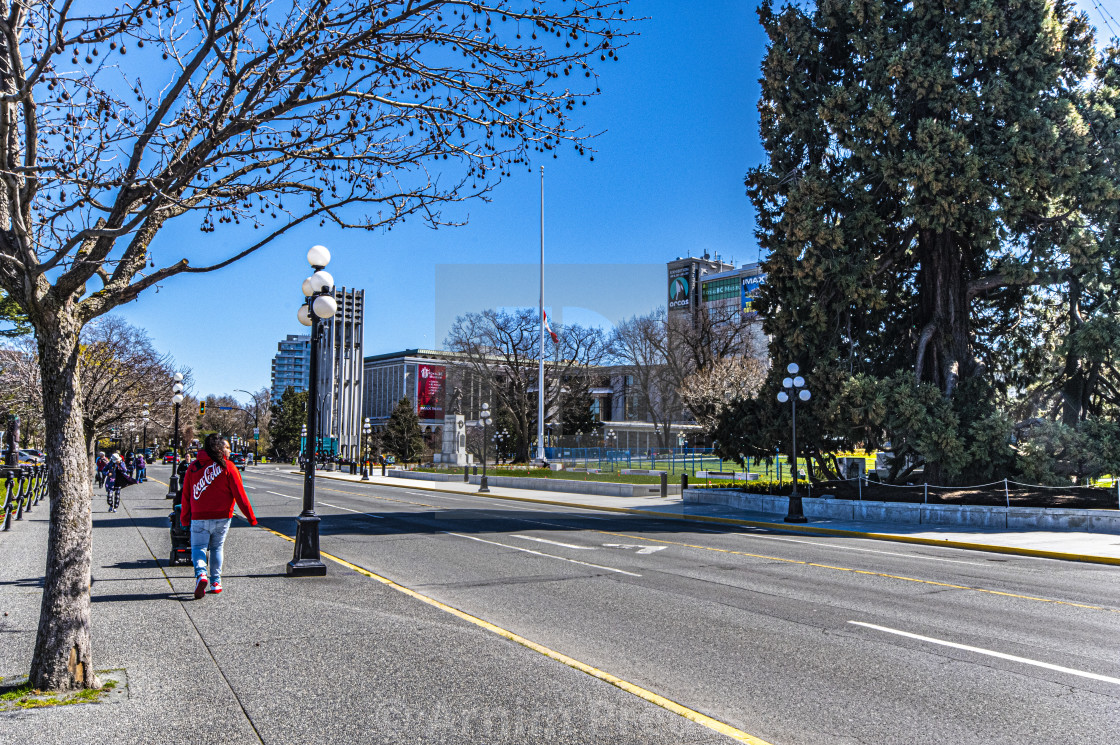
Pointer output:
x,y
1005,483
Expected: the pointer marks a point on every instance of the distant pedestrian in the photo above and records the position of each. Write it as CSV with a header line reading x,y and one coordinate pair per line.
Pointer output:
x,y
130,464
101,465
141,468
211,488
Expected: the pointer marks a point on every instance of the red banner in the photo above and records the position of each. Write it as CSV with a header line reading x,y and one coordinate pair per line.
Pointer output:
x,y
429,392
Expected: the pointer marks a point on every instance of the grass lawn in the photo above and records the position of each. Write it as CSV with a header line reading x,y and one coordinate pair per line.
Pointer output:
x,y
611,478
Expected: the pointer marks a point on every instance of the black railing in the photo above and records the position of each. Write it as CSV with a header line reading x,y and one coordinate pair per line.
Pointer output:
x,y
24,486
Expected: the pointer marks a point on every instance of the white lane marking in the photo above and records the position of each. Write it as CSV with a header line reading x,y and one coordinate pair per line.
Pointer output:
x,y
430,494
328,504
990,653
641,549
554,543
851,548
538,553
359,512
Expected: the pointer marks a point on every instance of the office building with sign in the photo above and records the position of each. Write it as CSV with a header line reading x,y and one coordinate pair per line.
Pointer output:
x,y
703,284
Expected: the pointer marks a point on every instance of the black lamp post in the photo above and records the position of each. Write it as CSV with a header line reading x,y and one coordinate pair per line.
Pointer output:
x,y
797,389
319,291
256,422
176,398
501,442
145,415
484,417
366,429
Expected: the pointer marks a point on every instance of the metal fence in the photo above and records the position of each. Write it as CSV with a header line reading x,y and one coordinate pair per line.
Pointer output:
x,y
24,486
672,460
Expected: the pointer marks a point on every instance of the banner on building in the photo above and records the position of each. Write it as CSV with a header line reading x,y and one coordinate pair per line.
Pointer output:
x,y
751,286
679,287
429,393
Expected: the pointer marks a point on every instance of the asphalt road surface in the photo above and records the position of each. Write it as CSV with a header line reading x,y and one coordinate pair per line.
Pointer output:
x,y
793,639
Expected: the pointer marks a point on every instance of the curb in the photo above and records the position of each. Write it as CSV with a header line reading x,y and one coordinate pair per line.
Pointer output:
x,y
787,527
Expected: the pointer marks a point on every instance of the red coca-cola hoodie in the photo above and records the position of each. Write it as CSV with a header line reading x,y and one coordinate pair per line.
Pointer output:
x,y
209,494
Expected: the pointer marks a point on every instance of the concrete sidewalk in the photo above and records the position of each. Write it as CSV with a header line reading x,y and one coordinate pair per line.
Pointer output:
x,y
1098,548
336,659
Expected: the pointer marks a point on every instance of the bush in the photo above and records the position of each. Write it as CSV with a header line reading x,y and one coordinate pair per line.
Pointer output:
x,y
1053,453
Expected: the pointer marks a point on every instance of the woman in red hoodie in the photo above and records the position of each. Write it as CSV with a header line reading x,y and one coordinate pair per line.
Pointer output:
x,y
211,487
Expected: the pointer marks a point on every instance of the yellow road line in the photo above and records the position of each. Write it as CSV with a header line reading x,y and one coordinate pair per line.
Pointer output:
x,y
785,527
642,693
861,571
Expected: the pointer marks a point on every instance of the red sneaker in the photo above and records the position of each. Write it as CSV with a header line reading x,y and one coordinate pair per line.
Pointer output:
x,y
216,588
200,587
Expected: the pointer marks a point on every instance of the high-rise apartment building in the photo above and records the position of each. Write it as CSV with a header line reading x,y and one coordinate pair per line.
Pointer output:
x,y
291,365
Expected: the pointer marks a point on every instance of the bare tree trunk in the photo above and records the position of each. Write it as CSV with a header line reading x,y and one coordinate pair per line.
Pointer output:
x,y
945,354
1073,386
944,305
63,658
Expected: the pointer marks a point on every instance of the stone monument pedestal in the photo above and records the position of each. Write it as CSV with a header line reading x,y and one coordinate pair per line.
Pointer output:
x,y
454,450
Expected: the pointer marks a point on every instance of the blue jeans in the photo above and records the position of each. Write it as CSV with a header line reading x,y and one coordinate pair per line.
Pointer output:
x,y
208,534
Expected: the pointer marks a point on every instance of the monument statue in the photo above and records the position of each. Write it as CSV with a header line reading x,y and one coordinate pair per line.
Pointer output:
x,y
456,401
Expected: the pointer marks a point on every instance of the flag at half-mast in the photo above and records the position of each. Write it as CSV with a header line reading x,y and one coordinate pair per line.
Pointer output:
x,y
548,328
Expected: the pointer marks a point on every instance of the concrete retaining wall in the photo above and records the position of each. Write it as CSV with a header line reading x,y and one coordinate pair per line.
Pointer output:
x,y
1005,518
558,485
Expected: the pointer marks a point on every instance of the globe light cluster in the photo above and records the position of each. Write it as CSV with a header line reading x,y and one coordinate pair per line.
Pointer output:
x,y
323,305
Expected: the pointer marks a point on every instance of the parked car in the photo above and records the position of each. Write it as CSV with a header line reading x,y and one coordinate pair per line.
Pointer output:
x,y
23,458
169,456
237,459
33,456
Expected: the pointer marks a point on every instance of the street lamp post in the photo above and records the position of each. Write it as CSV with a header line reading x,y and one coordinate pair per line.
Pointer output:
x,y
609,438
367,428
176,399
797,389
320,304
256,419
485,418
145,416
501,442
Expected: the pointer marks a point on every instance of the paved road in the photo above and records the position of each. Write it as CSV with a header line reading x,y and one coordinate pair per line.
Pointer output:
x,y
793,639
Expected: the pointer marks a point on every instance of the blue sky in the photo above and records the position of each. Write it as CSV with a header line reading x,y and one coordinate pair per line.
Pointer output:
x,y
680,130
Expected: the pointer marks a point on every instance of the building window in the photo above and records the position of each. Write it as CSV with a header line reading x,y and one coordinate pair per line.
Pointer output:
x,y
720,289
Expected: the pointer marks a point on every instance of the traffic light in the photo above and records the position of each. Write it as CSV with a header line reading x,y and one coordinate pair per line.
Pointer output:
x,y
201,408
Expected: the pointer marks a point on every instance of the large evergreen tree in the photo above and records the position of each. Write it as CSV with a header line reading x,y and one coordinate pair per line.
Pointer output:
x,y
402,436
925,160
288,417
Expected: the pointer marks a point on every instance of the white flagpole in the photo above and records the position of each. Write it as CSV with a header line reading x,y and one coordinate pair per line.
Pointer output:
x,y
540,372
